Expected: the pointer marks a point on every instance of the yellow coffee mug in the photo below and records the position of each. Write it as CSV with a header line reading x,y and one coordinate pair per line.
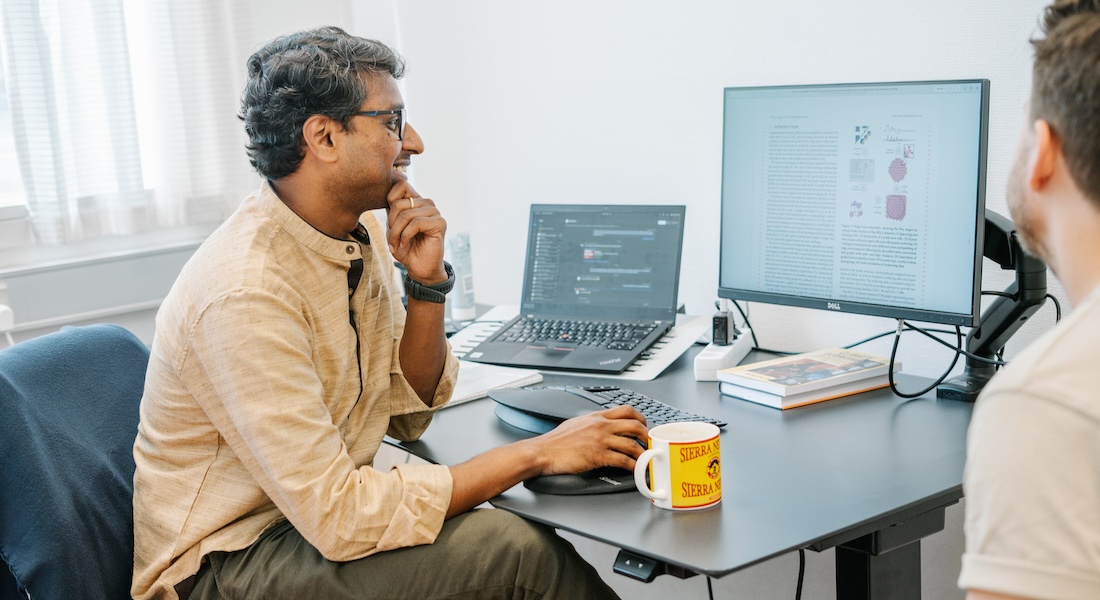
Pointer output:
x,y
685,466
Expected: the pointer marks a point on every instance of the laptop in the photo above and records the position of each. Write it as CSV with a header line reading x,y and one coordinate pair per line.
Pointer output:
x,y
599,288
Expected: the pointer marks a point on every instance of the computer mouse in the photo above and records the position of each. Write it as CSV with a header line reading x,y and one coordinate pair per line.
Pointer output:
x,y
604,480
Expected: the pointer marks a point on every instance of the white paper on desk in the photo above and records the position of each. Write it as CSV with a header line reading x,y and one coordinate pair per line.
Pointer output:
x,y
476,380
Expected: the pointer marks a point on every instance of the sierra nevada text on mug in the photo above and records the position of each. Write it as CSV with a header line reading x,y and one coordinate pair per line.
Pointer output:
x,y
685,466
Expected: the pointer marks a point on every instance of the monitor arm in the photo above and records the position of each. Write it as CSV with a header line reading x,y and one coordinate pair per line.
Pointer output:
x,y
1006,314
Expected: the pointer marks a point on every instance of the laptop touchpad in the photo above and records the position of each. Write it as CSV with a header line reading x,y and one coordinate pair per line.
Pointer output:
x,y
551,351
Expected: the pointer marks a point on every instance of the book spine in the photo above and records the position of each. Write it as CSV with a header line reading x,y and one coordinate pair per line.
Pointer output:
x,y
752,395
746,382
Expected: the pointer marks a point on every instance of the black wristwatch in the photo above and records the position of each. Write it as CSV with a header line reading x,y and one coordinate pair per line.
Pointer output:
x,y
436,292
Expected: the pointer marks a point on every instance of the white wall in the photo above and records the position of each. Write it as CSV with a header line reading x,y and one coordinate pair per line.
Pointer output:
x,y
620,101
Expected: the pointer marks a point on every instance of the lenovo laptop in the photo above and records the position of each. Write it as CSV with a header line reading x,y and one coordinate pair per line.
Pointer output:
x,y
599,288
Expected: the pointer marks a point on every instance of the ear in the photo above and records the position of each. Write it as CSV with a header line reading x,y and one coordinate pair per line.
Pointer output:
x,y
1045,153
318,133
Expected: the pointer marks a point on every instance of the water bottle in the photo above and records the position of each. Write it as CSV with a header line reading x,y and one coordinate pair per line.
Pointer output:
x,y
462,297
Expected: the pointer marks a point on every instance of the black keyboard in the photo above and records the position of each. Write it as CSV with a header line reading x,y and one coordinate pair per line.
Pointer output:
x,y
613,335
540,409
655,411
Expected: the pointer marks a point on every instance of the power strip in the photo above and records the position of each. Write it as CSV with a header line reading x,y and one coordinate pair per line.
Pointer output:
x,y
713,358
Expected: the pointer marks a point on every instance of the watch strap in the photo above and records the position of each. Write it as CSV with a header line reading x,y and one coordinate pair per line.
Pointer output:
x,y
434,292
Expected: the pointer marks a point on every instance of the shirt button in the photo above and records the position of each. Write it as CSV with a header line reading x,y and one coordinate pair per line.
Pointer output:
x,y
351,249
351,291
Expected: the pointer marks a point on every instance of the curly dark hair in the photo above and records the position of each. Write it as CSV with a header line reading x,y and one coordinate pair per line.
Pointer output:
x,y
298,75
1065,88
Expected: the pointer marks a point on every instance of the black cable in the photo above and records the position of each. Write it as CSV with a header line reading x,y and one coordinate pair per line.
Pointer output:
x,y
908,327
779,352
886,333
752,330
998,362
801,573
928,332
894,352
861,342
710,591
903,326
1057,319
1057,308
1057,304
958,349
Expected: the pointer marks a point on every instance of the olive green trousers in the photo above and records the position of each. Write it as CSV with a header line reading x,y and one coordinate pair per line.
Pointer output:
x,y
486,553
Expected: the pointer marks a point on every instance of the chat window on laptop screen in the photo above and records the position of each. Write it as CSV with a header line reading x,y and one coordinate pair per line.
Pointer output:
x,y
602,259
867,194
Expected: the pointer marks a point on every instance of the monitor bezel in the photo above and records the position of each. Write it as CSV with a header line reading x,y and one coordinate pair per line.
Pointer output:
x,y
845,306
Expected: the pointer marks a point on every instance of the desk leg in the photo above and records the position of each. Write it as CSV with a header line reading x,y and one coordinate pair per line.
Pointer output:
x,y
894,575
885,565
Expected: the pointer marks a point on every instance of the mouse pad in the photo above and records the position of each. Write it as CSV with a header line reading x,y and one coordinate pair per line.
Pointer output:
x,y
605,480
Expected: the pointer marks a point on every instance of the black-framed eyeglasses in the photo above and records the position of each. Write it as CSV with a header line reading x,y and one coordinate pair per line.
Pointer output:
x,y
399,127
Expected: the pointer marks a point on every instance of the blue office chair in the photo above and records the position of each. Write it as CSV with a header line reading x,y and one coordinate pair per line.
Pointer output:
x,y
68,419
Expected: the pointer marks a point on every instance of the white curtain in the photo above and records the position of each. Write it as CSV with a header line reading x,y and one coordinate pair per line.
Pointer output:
x,y
124,112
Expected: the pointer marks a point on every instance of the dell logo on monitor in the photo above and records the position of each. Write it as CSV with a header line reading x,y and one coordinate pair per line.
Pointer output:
x,y
832,305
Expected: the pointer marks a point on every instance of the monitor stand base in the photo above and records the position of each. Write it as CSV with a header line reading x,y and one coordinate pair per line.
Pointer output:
x,y
965,387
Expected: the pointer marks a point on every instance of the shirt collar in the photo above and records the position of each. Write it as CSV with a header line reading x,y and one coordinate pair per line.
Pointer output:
x,y
306,234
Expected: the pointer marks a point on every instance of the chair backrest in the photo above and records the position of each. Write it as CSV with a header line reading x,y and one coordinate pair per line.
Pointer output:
x,y
68,418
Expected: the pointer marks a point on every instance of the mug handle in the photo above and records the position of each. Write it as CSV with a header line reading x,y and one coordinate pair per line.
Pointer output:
x,y
639,476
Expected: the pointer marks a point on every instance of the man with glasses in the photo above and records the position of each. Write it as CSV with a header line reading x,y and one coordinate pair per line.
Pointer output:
x,y
1032,478
283,355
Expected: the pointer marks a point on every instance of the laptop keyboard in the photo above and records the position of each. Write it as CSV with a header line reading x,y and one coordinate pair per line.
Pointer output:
x,y
612,335
655,411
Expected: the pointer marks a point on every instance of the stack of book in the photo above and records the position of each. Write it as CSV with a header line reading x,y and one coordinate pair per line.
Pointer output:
x,y
806,378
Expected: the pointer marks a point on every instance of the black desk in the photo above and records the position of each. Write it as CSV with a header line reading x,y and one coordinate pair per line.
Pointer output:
x,y
869,474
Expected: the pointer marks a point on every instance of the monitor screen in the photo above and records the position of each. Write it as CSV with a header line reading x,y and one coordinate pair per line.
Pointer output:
x,y
863,198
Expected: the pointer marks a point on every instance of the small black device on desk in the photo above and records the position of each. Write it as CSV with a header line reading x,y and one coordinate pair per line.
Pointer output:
x,y
539,410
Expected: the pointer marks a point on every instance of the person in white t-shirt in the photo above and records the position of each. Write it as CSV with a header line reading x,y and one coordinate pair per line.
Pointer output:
x,y
1032,478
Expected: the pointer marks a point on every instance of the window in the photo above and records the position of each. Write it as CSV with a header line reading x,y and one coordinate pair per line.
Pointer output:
x,y
119,116
12,199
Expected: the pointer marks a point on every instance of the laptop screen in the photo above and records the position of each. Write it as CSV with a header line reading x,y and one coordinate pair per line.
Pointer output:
x,y
603,261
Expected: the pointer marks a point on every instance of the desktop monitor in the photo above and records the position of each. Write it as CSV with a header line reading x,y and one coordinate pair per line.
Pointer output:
x,y
860,198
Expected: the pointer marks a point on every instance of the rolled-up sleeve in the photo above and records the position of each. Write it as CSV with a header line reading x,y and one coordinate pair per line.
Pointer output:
x,y
410,415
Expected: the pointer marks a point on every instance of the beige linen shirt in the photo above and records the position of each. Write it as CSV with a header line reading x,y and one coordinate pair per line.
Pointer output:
x,y
1032,479
263,402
